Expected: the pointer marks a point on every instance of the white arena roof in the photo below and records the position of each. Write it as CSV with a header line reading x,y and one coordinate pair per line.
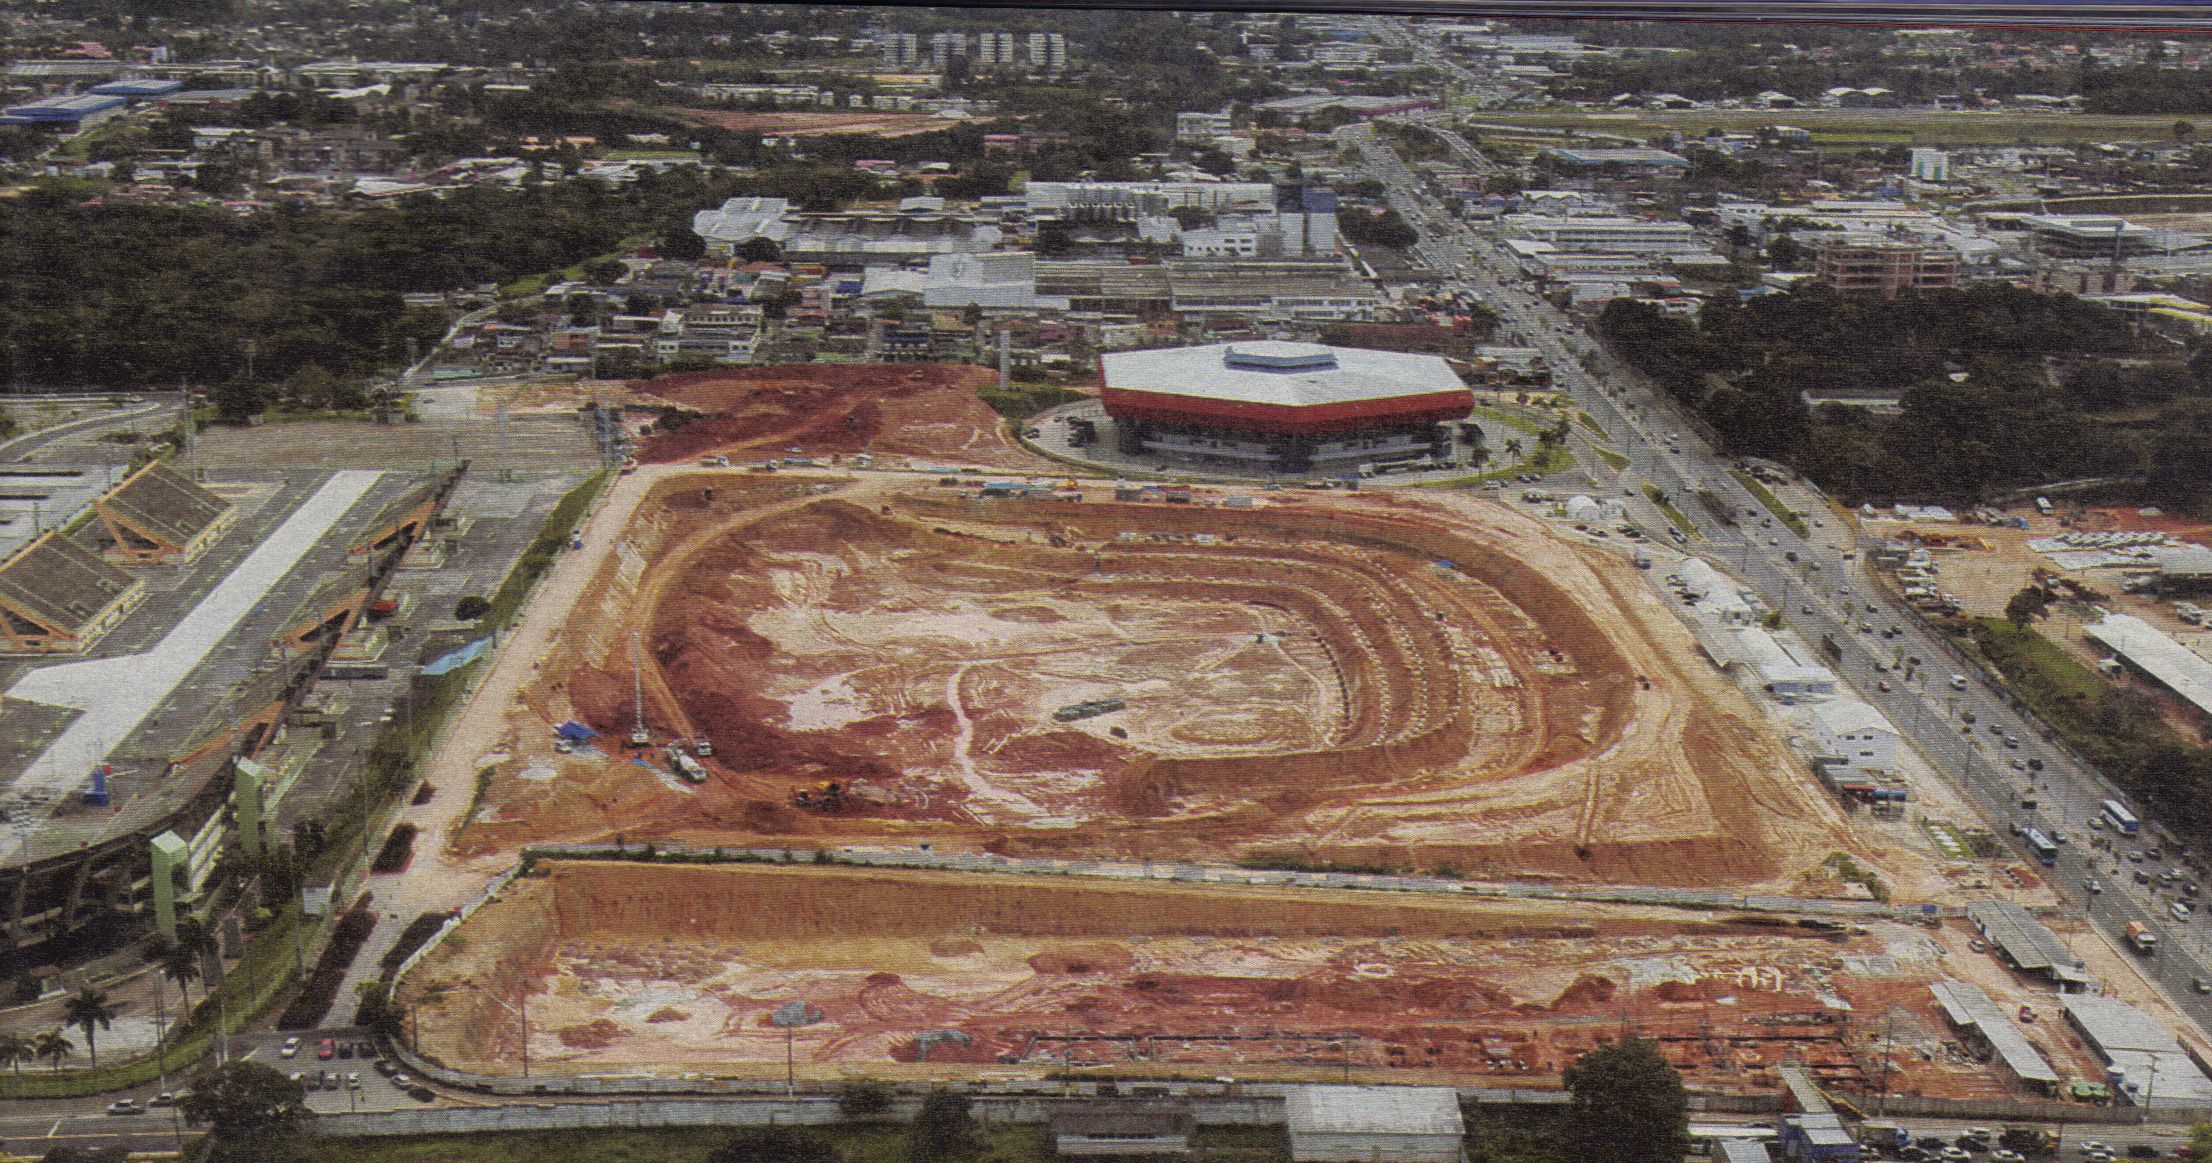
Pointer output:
x,y
1271,372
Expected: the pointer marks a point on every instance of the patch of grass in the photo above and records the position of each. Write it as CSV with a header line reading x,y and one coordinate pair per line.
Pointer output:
x,y
1848,871
1548,458
1618,461
2062,690
1512,420
1591,422
1782,512
1658,497
1021,400
1293,862
536,284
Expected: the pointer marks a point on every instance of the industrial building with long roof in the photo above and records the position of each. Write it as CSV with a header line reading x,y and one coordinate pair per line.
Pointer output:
x,y
1282,407
2153,652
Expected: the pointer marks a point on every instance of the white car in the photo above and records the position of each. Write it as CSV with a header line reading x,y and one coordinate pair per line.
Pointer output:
x,y
291,1048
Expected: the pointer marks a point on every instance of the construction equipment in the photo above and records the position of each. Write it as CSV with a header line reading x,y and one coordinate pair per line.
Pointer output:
x,y
1089,708
691,769
824,797
639,734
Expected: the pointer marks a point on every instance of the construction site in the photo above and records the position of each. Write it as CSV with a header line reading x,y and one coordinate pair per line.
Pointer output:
x,y
1288,679
829,972
928,413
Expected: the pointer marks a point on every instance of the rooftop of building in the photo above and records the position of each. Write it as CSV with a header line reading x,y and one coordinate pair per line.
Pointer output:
x,y
1277,373
1372,1110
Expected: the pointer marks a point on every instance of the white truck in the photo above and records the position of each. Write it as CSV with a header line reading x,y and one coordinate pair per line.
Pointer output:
x,y
691,769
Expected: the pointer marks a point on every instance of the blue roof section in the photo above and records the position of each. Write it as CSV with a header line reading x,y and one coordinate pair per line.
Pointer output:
x,y
62,109
138,87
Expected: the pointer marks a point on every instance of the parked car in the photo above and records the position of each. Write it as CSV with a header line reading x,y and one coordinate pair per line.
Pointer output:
x,y
290,1048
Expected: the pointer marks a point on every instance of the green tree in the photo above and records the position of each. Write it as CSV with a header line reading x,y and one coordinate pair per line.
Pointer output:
x,y
181,965
1785,252
90,1011
759,249
2026,606
1627,1105
246,1106
863,1099
681,244
16,1049
2200,1141
1055,239
605,272
774,1145
53,1046
2184,130
470,608
943,1130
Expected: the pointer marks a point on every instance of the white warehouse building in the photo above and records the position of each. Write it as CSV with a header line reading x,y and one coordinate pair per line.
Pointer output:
x,y
1374,1124
1857,734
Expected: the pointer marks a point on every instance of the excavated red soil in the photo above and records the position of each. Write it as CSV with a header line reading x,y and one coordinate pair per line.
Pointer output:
x,y
1165,979
1365,680
927,412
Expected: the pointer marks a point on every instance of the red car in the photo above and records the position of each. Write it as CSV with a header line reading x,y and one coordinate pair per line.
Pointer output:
x,y
326,1048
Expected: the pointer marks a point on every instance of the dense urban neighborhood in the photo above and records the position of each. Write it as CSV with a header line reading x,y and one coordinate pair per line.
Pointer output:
x,y
721,583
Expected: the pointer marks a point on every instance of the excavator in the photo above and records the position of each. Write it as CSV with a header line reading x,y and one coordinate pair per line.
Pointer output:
x,y
828,796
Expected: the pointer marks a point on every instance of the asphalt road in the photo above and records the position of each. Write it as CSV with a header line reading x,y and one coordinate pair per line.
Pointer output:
x,y
24,446
1821,593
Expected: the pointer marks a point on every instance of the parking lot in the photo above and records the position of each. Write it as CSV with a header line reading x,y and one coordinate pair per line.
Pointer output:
x,y
348,1080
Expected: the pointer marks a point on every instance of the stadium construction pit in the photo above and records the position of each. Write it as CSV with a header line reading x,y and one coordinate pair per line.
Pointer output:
x,y
635,970
1272,678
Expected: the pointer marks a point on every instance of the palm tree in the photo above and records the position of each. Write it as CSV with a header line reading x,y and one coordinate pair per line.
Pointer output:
x,y
53,1045
1513,447
15,1048
91,1012
182,966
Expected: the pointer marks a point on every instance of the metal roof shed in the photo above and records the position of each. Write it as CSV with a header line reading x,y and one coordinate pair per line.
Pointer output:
x,y
1970,1008
1373,1124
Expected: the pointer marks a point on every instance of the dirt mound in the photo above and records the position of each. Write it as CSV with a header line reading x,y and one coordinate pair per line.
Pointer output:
x,y
1587,990
668,1014
926,411
593,1035
1082,959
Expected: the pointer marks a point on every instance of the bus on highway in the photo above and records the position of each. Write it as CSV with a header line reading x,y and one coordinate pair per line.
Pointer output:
x,y
2122,820
2041,845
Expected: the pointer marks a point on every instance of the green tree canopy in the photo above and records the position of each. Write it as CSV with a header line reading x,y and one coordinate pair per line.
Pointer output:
x,y
2027,605
943,1130
90,1011
247,1106
1628,1105
864,1099
775,1145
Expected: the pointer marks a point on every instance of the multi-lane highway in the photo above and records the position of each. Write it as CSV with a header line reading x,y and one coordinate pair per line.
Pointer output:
x,y
1977,737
